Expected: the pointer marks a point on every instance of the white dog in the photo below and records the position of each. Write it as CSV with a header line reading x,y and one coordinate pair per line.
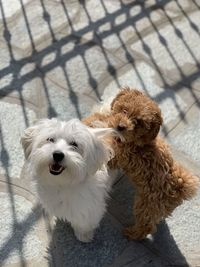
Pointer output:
x,y
67,161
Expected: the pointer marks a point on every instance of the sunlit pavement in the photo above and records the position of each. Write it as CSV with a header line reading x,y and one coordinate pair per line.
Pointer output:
x,y
58,58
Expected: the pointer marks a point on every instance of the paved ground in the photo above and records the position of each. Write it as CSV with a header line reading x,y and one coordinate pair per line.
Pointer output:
x,y
59,58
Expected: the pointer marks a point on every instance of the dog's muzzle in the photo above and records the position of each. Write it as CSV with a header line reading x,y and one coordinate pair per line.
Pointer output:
x,y
56,168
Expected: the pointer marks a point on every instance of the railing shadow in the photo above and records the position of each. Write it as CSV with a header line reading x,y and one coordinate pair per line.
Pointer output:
x,y
18,81
164,242
161,244
64,247
19,229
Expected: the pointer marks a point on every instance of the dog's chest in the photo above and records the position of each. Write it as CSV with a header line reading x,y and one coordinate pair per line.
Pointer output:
x,y
73,204
53,199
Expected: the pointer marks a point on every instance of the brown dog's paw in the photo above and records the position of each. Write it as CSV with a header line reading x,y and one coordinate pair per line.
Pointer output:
x,y
133,234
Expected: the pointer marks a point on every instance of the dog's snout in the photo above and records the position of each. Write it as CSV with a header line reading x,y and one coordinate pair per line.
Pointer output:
x,y
58,156
121,127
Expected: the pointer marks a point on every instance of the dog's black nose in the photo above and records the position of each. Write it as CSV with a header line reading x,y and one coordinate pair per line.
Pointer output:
x,y
58,156
120,127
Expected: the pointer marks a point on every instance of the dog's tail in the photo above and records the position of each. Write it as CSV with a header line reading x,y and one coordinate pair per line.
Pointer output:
x,y
188,183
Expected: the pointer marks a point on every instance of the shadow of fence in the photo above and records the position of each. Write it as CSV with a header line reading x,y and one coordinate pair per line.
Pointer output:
x,y
75,35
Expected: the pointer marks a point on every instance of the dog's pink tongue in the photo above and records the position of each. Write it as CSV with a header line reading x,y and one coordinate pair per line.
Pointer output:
x,y
56,167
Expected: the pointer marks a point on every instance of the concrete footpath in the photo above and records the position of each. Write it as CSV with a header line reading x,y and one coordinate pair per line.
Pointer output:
x,y
58,58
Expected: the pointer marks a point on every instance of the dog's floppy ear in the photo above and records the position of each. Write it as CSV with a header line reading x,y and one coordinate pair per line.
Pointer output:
x,y
27,140
29,134
125,96
122,92
102,152
147,127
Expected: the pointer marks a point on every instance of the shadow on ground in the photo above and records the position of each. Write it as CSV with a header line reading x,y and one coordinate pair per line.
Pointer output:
x,y
108,242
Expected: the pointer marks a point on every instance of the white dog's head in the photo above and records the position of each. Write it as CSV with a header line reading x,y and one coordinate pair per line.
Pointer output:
x,y
65,150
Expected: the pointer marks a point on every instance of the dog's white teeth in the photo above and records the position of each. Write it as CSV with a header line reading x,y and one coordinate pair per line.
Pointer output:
x,y
55,168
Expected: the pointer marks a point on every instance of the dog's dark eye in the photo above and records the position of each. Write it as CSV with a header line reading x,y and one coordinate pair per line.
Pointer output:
x,y
125,111
50,139
74,144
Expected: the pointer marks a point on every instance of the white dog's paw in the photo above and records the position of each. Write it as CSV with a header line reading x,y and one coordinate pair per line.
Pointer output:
x,y
84,236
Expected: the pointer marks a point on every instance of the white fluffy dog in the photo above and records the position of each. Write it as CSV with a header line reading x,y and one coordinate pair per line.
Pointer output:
x,y
67,161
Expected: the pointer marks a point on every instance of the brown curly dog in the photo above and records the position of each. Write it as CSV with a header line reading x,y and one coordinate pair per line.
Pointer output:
x,y
161,183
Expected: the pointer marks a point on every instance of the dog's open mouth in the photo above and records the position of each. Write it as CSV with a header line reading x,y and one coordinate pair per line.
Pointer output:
x,y
56,168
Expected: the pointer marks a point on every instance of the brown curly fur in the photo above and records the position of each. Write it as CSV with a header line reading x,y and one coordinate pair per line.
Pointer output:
x,y
161,183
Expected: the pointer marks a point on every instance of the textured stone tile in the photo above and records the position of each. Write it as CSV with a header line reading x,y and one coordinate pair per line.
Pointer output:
x,y
6,80
119,29
31,244
5,61
109,23
121,201
176,8
178,239
64,102
108,243
81,71
21,92
75,53
143,77
14,119
186,160
94,11
183,226
91,14
23,235
17,79
11,8
137,255
185,137
112,6
36,22
195,80
166,45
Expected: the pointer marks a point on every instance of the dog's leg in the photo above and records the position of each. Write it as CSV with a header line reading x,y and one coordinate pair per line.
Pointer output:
x,y
136,232
83,235
146,218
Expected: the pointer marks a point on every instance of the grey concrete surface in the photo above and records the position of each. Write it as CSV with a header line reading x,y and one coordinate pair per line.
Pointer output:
x,y
58,58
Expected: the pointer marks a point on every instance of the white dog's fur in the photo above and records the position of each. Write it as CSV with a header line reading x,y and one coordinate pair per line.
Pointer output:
x,y
77,194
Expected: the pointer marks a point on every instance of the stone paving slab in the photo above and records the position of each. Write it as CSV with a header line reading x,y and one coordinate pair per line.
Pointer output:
x,y
11,153
138,255
60,58
188,132
172,40
108,244
23,228
146,78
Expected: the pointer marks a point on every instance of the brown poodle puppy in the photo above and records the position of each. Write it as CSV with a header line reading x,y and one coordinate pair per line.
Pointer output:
x,y
161,183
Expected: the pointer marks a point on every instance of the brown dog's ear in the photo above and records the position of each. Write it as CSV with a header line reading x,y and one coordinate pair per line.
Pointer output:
x,y
147,128
125,94
122,92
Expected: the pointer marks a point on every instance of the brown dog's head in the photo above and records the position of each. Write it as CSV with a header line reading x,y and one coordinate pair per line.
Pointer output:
x,y
135,116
